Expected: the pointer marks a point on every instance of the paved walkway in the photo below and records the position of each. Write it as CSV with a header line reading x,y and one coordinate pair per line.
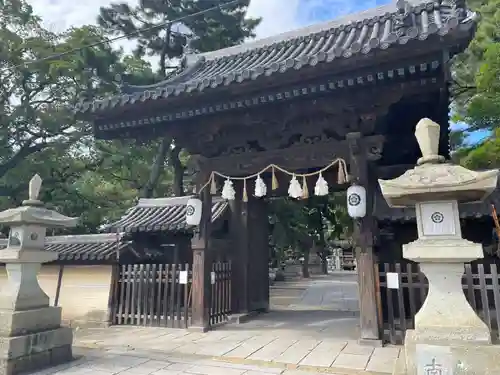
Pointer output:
x,y
116,362
289,338
337,291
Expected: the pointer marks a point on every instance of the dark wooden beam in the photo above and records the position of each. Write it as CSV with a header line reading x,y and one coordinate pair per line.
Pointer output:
x,y
363,239
238,228
293,159
202,267
258,239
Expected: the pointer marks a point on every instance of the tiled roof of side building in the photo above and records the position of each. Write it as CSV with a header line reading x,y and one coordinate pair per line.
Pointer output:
x,y
91,247
360,33
161,214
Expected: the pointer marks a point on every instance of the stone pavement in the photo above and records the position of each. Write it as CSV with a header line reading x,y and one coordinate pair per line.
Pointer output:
x,y
303,334
313,326
337,291
122,362
282,348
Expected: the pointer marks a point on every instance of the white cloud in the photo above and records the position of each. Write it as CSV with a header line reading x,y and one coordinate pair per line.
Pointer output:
x,y
277,15
59,15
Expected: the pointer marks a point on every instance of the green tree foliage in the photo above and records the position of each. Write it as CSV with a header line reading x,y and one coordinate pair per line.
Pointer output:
x,y
97,180
38,131
151,25
305,225
476,88
148,25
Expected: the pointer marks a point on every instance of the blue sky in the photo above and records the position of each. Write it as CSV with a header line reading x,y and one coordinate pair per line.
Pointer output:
x,y
278,16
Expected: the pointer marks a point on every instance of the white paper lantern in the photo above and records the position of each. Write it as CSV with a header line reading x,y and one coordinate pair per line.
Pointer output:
x,y
356,201
194,207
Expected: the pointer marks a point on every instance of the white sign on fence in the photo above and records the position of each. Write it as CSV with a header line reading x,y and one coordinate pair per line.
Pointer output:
x,y
183,277
212,278
392,280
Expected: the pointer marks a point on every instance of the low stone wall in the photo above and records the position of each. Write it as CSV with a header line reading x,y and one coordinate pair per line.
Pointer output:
x,y
84,292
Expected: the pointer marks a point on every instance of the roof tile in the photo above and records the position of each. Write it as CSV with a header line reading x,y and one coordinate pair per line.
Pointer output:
x,y
92,247
160,214
360,33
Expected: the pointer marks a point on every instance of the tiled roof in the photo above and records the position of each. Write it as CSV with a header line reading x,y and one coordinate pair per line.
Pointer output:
x,y
467,211
160,214
380,28
91,247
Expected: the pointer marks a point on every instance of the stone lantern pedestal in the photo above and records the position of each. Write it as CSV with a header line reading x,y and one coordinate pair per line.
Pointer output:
x,y
449,338
31,336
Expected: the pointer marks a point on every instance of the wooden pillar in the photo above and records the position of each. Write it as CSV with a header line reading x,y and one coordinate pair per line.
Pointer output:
x,y
202,266
259,265
240,259
363,238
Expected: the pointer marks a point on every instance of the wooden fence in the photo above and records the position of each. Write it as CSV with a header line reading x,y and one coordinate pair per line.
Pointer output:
x,y
220,308
160,295
397,307
153,295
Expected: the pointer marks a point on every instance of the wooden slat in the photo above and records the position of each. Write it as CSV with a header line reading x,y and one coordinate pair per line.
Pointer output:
x,y
422,286
390,307
121,302
144,293
380,316
411,292
401,301
128,300
173,275
133,300
496,295
186,298
178,300
470,286
166,288
227,293
140,294
484,296
159,289
151,295
219,284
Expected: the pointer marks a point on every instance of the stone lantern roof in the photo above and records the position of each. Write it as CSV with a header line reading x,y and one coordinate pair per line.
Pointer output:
x,y
433,179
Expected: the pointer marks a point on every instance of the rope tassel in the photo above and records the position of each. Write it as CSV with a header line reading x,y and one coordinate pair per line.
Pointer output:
x,y
245,195
342,177
274,180
305,189
213,186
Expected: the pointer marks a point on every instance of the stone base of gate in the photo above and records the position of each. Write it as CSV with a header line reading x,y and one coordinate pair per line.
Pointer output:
x,y
243,317
441,357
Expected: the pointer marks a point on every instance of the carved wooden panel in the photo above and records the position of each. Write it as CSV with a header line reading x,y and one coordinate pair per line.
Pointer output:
x,y
287,125
298,158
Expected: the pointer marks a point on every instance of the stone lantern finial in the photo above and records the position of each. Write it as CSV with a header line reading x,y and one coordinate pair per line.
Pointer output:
x,y
34,188
427,133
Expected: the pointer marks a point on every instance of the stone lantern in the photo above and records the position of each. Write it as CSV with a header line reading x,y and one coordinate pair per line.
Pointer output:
x,y
449,338
31,336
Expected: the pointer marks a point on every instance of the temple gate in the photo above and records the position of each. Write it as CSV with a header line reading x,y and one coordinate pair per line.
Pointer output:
x,y
352,88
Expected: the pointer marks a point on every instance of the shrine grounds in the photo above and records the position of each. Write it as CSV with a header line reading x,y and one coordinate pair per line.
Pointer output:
x,y
312,328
